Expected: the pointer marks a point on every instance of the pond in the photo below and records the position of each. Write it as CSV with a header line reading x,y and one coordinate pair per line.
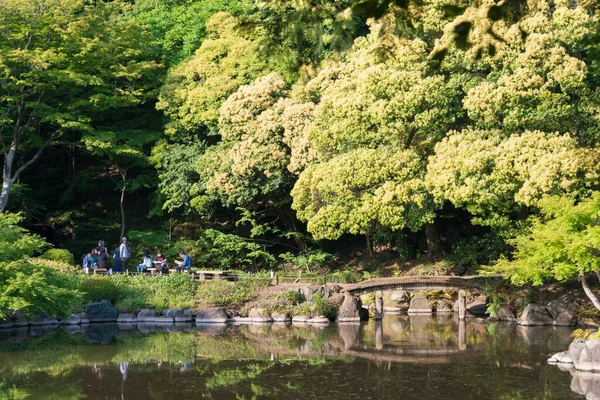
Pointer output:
x,y
407,357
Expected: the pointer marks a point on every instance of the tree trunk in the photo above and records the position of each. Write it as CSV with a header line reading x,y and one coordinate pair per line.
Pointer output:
x,y
434,247
369,244
589,293
7,178
122,213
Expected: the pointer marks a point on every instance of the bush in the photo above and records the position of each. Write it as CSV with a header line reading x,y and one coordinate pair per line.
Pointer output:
x,y
141,291
220,292
35,289
57,265
294,297
97,288
317,306
60,255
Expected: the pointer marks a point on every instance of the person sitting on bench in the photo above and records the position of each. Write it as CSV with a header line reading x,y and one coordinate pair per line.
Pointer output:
x,y
160,263
146,263
185,264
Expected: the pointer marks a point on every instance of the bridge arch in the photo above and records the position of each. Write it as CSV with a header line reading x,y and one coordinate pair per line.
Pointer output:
x,y
475,284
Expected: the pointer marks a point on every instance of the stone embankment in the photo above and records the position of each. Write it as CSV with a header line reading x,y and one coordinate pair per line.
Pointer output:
x,y
349,308
582,360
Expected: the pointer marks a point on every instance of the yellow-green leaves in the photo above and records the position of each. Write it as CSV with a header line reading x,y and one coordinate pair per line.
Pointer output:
x,y
196,88
490,175
563,245
360,191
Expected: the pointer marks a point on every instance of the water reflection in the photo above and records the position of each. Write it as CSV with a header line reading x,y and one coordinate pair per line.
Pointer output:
x,y
405,356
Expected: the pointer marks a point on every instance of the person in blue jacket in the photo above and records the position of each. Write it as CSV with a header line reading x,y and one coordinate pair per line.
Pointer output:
x,y
185,264
117,261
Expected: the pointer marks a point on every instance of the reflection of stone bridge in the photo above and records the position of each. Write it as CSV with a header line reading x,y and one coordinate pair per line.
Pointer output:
x,y
410,283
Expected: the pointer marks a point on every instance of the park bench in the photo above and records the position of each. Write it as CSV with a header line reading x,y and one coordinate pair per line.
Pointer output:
x,y
203,275
100,271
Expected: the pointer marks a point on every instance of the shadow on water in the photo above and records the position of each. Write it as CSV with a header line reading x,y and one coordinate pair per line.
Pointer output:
x,y
416,357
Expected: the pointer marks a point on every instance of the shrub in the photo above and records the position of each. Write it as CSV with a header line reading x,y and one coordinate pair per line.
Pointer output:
x,y
57,265
219,292
140,291
60,255
317,306
322,307
96,288
35,289
294,297
309,259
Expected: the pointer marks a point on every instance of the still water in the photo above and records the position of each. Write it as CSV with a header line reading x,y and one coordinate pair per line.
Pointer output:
x,y
402,357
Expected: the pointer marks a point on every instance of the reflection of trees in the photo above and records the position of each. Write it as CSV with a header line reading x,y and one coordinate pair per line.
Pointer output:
x,y
250,360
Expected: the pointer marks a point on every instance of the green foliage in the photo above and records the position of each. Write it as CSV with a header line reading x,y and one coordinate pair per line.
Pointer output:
x,y
311,259
179,27
562,245
293,297
67,65
223,293
140,291
322,307
15,242
97,288
582,333
57,265
35,289
61,255
226,251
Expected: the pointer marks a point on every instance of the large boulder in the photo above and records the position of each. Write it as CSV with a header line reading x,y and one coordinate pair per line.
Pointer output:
x,y
505,314
281,317
535,314
173,312
101,311
477,306
419,304
41,321
164,320
259,315
126,319
74,319
319,320
351,310
563,313
325,291
396,302
146,315
589,357
215,315
575,349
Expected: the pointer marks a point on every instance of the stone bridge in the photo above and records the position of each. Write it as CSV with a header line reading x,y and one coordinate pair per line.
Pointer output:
x,y
413,283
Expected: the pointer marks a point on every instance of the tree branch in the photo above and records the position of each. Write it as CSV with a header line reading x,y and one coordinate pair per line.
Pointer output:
x,y
588,291
34,158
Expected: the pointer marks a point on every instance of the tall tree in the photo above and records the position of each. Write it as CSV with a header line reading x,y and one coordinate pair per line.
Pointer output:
x,y
62,64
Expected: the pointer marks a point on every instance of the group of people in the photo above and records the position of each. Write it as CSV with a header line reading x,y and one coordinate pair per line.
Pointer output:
x,y
160,262
98,258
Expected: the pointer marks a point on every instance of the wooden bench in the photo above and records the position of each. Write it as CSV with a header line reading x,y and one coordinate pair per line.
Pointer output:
x,y
100,271
204,275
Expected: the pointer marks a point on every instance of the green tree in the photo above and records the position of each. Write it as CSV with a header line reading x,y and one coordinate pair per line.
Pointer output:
x,y
178,27
62,64
494,177
128,165
562,244
195,89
